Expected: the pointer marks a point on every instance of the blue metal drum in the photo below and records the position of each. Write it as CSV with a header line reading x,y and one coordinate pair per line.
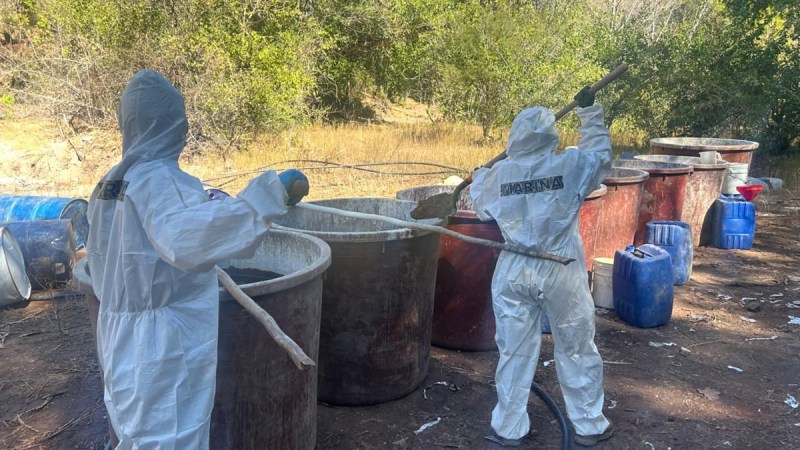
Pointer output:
x,y
48,247
15,208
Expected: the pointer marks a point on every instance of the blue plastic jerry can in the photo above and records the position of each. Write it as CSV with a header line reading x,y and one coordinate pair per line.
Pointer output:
x,y
676,238
734,222
643,286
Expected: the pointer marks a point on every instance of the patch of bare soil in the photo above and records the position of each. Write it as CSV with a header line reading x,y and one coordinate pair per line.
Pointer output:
x,y
50,393
724,384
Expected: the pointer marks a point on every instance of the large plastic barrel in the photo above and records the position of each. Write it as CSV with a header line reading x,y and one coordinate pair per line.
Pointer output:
x,y
642,285
589,220
619,216
15,208
48,247
377,302
463,318
262,400
664,191
702,190
732,150
15,287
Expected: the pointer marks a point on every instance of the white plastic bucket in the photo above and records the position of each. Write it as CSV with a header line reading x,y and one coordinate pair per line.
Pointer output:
x,y
602,274
709,157
736,176
15,286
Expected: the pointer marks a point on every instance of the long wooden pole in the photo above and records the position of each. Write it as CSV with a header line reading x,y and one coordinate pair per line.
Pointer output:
x,y
431,206
299,358
435,229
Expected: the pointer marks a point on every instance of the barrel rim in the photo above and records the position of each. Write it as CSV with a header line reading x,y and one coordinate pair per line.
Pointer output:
x,y
445,188
604,260
392,234
316,268
704,144
666,168
468,217
7,236
634,176
463,197
597,193
720,164
67,208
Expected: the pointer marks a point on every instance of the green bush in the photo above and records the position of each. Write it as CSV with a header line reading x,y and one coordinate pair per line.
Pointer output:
x,y
242,66
726,68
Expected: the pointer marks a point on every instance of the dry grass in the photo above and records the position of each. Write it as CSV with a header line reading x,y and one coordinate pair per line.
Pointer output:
x,y
457,146
40,157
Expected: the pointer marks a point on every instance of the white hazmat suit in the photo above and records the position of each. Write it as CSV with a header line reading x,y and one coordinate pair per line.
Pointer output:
x,y
534,196
153,242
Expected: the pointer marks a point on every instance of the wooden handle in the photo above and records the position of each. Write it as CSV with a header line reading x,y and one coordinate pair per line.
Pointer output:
x,y
613,75
435,229
299,358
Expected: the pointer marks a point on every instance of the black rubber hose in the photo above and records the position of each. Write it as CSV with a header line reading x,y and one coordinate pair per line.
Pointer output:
x,y
562,422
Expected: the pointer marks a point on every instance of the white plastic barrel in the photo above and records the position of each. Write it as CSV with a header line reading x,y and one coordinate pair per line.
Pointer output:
x,y
736,176
773,184
602,274
15,286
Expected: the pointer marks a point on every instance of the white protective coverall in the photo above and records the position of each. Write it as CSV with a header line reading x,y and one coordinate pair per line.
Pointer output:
x,y
534,196
153,242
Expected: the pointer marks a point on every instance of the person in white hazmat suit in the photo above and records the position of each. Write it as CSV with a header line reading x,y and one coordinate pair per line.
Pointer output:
x,y
153,242
534,196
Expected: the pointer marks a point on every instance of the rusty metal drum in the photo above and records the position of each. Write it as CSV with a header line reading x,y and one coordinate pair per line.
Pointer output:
x,y
702,190
664,191
731,150
463,318
377,300
589,220
619,216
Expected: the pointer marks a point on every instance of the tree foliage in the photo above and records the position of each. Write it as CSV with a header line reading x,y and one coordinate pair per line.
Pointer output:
x,y
728,68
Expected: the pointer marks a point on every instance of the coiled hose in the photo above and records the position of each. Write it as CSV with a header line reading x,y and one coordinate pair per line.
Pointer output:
x,y
562,422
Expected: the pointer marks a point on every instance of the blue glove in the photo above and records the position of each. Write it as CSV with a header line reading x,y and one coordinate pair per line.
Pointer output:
x,y
296,185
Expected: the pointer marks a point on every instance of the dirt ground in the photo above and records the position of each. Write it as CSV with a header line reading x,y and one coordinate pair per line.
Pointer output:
x,y
723,385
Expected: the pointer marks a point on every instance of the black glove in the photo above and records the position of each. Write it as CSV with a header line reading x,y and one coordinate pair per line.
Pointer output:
x,y
585,97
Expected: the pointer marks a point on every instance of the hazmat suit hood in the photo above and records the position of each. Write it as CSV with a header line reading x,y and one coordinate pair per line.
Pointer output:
x,y
533,132
152,120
